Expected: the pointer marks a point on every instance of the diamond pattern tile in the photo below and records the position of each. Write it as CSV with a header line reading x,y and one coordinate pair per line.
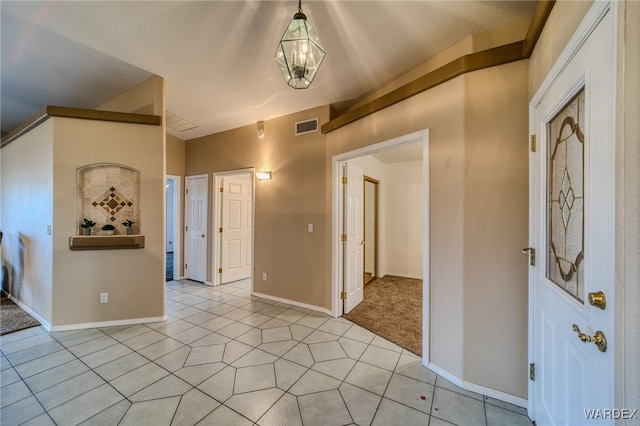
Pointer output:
x,y
224,357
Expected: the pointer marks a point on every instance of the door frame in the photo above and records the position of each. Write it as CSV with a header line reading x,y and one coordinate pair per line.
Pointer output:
x,y
582,33
337,225
178,272
206,212
217,220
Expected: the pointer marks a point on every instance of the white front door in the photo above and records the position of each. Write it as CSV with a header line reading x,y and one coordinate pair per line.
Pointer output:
x,y
572,223
354,231
237,223
195,267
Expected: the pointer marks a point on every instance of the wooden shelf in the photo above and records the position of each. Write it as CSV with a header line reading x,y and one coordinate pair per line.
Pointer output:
x,y
106,242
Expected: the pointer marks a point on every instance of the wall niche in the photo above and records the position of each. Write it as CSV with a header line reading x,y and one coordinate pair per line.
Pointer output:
x,y
109,194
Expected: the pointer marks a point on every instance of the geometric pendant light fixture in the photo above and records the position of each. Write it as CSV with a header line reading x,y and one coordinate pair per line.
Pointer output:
x,y
299,53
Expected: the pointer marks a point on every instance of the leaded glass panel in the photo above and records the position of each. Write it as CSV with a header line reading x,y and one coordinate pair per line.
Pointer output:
x,y
565,198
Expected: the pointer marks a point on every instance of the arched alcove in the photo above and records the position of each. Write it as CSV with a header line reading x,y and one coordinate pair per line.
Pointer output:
x,y
109,193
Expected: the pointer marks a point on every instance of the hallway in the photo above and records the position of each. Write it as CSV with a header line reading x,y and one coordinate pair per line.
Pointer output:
x,y
224,357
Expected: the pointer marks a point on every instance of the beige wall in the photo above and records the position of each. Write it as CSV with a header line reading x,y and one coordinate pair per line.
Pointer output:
x,y
144,98
39,184
176,151
404,219
496,194
134,279
296,261
478,150
61,286
560,26
475,123
27,212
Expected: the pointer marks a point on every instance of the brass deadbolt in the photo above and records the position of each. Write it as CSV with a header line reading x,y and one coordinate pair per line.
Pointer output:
x,y
598,300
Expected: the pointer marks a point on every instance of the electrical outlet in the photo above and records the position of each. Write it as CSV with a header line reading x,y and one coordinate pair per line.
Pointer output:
x,y
104,297
264,276
310,227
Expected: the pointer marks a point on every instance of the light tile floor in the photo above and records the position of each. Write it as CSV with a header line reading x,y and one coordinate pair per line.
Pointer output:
x,y
225,357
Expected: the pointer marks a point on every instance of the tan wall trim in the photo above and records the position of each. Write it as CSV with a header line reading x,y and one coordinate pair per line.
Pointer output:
x,y
472,62
87,114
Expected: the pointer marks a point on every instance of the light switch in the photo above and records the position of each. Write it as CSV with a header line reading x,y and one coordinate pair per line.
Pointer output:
x,y
310,227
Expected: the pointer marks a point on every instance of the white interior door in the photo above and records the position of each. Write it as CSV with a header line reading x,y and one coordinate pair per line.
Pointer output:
x,y
572,202
195,267
237,223
354,230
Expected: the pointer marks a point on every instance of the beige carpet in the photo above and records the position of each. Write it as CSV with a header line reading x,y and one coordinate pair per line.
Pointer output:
x,y
13,318
392,308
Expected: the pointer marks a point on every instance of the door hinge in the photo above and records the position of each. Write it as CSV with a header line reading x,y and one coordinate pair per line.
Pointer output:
x,y
343,295
220,270
186,228
220,230
186,266
343,237
187,191
532,255
532,372
532,143
221,189
344,180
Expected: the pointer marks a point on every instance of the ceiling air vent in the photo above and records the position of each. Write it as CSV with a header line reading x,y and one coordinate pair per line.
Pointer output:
x,y
307,126
178,123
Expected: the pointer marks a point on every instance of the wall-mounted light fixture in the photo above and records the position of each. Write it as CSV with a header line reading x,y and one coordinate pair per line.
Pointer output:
x,y
299,53
260,125
263,175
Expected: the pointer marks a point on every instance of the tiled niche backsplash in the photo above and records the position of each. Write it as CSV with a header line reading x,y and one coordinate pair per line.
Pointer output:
x,y
109,194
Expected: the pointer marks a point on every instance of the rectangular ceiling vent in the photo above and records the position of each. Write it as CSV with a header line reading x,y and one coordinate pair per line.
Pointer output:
x,y
307,126
178,123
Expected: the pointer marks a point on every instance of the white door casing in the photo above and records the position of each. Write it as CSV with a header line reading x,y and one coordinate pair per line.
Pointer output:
x,y
177,234
237,223
337,226
572,229
196,228
354,230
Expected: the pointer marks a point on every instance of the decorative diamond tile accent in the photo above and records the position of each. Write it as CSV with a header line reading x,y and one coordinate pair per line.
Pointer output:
x,y
112,201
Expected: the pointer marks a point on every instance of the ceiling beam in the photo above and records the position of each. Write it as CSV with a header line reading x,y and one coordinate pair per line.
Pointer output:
x,y
472,62
86,114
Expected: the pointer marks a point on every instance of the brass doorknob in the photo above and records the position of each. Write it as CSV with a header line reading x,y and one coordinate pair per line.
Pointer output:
x,y
598,338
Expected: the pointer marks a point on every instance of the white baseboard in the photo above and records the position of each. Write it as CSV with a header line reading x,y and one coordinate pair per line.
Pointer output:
x,y
393,274
293,302
41,320
100,324
511,399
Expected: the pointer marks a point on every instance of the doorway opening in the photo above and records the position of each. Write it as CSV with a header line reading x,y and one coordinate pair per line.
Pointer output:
x,y
371,227
340,250
173,190
233,224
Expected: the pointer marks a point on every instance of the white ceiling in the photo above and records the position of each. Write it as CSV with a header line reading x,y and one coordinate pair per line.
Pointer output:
x,y
217,56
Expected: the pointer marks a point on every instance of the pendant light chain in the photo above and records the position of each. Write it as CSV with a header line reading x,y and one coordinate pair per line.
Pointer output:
x,y
300,6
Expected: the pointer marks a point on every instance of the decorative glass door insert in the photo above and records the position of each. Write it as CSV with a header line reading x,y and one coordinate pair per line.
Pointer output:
x,y
565,198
